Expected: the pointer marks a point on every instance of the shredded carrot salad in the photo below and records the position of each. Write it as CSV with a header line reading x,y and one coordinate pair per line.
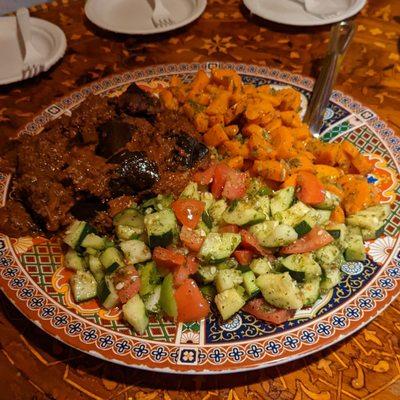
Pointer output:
x,y
258,129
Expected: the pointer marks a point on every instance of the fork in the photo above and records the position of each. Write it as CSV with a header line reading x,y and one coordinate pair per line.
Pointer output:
x,y
341,36
32,70
161,17
32,58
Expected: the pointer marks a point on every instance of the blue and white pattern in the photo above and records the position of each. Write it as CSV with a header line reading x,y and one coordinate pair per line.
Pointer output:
x,y
308,336
122,347
140,351
233,324
353,268
105,342
236,354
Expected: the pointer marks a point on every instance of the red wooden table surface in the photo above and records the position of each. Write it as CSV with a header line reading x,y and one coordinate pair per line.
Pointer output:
x,y
364,366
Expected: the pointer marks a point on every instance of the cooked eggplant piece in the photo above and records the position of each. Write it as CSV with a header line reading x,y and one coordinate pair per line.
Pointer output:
x,y
136,101
188,151
113,136
86,209
134,174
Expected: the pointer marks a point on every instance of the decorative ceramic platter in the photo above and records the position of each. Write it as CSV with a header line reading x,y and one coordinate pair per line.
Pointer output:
x,y
34,279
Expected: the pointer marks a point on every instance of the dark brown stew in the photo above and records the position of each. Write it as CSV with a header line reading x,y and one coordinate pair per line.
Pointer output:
x,y
94,163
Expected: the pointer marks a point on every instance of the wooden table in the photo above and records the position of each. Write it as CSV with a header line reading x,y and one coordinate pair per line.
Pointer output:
x,y
365,366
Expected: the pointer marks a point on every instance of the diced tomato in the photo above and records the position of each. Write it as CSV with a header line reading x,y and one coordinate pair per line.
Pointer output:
x,y
192,264
311,241
192,306
191,239
166,258
127,282
229,229
220,175
204,177
235,186
243,257
184,271
188,211
262,310
251,243
180,275
309,188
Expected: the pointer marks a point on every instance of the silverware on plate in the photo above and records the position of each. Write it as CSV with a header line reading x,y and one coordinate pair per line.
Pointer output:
x,y
32,58
341,36
161,16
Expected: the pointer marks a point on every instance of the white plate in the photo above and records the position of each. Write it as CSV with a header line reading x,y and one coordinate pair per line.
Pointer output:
x,y
134,16
47,38
290,12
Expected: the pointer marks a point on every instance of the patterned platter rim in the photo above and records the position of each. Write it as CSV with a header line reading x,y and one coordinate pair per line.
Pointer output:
x,y
216,358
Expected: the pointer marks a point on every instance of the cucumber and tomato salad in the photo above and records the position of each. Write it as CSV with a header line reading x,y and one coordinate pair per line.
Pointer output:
x,y
227,240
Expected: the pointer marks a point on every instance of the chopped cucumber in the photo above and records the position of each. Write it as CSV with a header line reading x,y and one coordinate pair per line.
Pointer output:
x,y
229,302
330,201
125,232
228,263
260,266
330,279
110,256
83,286
208,199
190,192
262,204
161,227
243,268
149,278
355,250
371,235
258,188
371,218
96,267
159,203
335,233
132,218
91,251
310,292
293,215
301,267
75,261
152,300
249,283
338,232
206,273
107,294
136,251
167,297
244,213
280,290
282,200
329,256
218,246
207,220
217,210
227,279
75,234
134,312
208,292
322,217
273,234
93,241
302,228
112,268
